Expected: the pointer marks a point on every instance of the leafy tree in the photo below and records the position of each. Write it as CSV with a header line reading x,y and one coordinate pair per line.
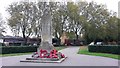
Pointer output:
x,y
23,18
59,20
118,29
112,29
96,17
74,16
90,19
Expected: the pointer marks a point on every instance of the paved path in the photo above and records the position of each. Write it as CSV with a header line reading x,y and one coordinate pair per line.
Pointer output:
x,y
73,59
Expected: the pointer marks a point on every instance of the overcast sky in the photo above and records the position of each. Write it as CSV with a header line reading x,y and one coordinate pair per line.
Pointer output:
x,y
111,5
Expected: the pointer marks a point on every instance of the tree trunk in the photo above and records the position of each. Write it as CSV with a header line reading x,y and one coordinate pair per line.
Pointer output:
x,y
76,34
24,37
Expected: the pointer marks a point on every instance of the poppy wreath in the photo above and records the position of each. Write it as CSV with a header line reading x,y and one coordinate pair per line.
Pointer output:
x,y
53,54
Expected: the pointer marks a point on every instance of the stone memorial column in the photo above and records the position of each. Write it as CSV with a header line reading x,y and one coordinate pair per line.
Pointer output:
x,y
46,33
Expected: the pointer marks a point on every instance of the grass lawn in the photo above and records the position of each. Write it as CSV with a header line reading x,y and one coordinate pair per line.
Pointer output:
x,y
84,50
16,54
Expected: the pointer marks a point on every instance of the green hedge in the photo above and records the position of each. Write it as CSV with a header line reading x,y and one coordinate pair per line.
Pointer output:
x,y
0,44
113,49
17,49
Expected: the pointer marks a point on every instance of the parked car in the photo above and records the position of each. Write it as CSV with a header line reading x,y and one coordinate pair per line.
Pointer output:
x,y
99,43
92,43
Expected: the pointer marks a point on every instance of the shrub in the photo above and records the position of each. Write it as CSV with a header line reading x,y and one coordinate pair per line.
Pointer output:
x,y
104,49
0,44
17,49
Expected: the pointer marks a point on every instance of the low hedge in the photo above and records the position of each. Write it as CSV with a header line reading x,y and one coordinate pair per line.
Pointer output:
x,y
1,44
113,49
17,49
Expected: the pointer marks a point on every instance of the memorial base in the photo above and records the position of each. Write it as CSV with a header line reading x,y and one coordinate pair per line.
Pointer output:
x,y
43,60
44,56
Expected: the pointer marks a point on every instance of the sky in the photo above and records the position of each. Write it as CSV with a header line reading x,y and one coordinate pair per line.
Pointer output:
x,y
112,5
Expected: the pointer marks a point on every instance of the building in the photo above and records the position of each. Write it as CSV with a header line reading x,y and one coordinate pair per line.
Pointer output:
x,y
18,41
63,38
10,40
